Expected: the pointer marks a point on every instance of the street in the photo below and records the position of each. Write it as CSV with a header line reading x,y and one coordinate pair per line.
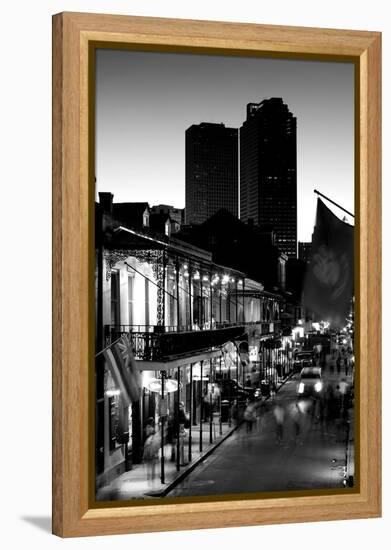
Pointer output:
x,y
311,455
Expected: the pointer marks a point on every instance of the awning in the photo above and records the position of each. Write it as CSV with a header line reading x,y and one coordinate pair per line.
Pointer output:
x,y
178,362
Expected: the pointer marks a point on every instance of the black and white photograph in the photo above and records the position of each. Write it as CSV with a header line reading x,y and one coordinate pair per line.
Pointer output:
x,y
224,275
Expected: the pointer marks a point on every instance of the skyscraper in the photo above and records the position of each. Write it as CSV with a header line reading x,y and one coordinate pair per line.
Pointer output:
x,y
268,185
211,171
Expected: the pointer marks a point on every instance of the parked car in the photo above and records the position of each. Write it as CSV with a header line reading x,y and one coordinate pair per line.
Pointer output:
x,y
302,356
310,382
231,389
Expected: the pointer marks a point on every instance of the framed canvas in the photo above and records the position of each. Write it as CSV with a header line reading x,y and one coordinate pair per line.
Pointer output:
x,y
216,323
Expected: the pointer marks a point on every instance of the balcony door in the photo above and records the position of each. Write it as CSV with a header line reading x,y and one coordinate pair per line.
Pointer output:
x,y
146,303
115,298
199,316
130,299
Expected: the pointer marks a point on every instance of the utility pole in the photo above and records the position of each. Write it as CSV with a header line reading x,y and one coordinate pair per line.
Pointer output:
x,y
332,202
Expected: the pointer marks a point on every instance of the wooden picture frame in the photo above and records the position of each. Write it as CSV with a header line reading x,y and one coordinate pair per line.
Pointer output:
x,y
75,35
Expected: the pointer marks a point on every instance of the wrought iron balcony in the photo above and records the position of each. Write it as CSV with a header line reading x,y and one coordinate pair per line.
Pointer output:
x,y
154,343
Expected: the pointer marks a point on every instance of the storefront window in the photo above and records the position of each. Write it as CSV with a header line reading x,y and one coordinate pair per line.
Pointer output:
x,y
113,421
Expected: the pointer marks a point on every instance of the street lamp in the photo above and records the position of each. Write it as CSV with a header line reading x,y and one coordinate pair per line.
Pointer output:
x,y
162,374
162,386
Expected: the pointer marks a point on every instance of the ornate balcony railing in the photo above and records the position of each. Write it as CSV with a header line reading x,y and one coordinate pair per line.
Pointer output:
x,y
154,343
158,343
266,327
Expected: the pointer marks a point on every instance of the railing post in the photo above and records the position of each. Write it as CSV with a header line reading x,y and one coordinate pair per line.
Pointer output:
x,y
202,405
201,319
190,312
177,423
211,383
191,410
220,304
243,298
177,294
161,294
210,416
221,422
261,361
211,300
243,373
228,302
236,300
162,479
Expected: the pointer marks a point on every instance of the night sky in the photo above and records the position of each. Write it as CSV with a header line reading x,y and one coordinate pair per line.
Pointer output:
x,y
145,101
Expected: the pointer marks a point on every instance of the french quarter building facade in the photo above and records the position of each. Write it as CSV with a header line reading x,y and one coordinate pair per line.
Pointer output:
x,y
192,324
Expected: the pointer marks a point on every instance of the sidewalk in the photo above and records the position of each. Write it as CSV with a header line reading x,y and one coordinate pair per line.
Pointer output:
x,y
350,458
134,485
349,438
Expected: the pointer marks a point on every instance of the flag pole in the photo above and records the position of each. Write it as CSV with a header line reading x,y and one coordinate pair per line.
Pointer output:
x,y
332,202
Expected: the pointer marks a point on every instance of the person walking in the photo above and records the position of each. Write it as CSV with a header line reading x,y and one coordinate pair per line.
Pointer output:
x,y
180,422
338,401
250,416
346,361
343,388
339,364
296,417
234,412
150,452
182,439
279,415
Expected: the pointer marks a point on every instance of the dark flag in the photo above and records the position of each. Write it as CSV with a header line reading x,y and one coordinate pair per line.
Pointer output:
x,y
122,365
328,286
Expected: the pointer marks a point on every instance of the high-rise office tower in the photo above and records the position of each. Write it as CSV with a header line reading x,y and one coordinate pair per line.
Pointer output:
x,y
211,171
268,186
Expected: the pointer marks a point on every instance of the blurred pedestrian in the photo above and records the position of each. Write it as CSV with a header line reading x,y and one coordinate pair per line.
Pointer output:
x,y
149,427
180,421
234,412
171,435
279,415
250,415
314,409
296,417
339,365
273,389
182,439
151,451
259,409
331,367
346,361
338,401
343,388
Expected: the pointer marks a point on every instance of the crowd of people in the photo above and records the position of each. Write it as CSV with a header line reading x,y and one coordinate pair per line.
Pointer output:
x,y
174,434
331,407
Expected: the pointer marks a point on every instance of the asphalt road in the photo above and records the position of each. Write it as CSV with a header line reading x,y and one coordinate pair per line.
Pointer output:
x,y
256,462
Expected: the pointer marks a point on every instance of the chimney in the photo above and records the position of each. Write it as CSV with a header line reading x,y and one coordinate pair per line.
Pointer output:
x,y
106,200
